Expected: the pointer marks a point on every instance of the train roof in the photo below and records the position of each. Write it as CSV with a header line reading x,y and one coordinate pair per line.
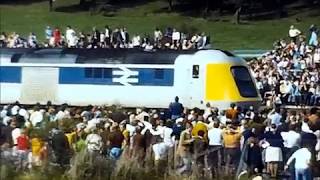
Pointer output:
x,y
94,56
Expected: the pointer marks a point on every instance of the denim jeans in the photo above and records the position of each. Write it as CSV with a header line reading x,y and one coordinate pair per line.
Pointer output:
x,y
303,174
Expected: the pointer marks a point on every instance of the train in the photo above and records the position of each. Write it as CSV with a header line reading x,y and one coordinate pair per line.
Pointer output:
x,y
126,77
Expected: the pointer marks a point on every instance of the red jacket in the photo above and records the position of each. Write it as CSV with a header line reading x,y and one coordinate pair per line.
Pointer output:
x,y
23,142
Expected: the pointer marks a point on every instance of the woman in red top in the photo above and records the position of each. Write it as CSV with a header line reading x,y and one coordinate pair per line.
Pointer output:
x,y
23,142
57,37
23,150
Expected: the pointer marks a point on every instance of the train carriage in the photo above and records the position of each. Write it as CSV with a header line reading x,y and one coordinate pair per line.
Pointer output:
x,y
128,77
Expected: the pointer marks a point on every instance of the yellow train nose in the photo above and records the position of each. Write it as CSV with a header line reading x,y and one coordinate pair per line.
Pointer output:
x,y
225,82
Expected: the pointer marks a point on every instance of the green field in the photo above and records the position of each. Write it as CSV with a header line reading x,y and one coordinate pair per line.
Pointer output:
x,y
34,17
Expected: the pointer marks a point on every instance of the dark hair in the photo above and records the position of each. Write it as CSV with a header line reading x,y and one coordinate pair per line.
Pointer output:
x,y
313,110
201,133
232,105
216,124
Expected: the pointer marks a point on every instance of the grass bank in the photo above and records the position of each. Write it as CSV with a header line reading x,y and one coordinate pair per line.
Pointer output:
x,y
143,18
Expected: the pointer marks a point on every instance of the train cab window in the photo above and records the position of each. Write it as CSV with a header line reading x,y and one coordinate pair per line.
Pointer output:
x,y
97,72
88,72
107,73
195,71
159,74
244,81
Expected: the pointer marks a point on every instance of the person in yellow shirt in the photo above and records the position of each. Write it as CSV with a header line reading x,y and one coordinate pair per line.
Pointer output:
x,y
200,126
71,136
231,139
36,146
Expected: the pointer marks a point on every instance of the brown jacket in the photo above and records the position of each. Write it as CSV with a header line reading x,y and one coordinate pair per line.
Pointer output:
x,y
185,142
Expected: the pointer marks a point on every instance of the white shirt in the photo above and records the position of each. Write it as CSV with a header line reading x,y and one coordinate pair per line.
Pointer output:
x,y
305,127
215,137
15,134
294,32
69,33
175,36
291,139
60,115
73,40
94,142
36,117
164,133
275,118
302,157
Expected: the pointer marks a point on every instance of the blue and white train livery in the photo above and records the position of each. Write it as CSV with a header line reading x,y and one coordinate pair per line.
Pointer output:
x,y
128,77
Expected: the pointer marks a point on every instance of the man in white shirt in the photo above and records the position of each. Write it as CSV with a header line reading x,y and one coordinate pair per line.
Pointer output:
x,y
302,159
69,33
294,33
291,140
175,36
215,156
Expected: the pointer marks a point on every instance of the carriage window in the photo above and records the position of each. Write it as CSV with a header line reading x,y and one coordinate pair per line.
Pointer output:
x,y
195,71
107,73
159,74
97,72
88,72
244,81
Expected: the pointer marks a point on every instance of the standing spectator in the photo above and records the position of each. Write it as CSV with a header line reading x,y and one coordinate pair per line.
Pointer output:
x,y
157,35
136,41
115,141
57,37
48,33
294,33
232,112
73,41
215,156
23,149
60,147
313,41
107,35
184,148
273,153
176,109
36,145
69,34
302,164
138,144
254,155
231,140
124,37
275,116
176,36
95,37
32,40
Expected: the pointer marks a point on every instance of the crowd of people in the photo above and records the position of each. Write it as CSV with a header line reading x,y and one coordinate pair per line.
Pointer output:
x,y
290,74
275,142
170,38
244,140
